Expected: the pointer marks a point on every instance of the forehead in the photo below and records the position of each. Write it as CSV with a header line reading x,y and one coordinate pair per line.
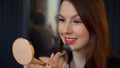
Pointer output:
x,y
67,9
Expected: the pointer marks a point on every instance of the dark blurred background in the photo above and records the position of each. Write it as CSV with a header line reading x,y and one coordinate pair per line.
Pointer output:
x,y
14,20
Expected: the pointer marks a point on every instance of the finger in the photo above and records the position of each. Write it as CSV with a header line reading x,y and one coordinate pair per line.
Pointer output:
x,y
65,65
50,62
35,66
61,60
37,61
48,66
46,60
52,55
57,56
53,58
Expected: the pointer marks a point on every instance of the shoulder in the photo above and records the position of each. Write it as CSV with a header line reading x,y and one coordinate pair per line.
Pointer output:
x,y
113,63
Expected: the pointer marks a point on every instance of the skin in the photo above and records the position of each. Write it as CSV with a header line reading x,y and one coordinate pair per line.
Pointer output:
x,y
70,27
72,31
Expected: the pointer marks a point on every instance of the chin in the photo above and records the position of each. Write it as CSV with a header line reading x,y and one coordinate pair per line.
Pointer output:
x,y
76,48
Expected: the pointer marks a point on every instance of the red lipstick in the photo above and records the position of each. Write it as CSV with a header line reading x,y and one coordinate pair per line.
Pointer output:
x,y
70,40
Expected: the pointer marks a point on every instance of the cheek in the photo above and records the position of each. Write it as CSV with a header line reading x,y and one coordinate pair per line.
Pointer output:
x,y
59,28
83,38
81,30
82,33
60,31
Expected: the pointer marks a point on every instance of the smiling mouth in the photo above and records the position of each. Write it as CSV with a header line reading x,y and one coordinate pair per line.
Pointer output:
x,y
70,40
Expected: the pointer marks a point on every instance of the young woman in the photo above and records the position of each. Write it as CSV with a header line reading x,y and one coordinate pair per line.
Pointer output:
x,y
82,24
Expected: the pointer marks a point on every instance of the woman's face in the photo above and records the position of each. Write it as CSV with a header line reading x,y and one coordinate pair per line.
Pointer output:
x,y
71,29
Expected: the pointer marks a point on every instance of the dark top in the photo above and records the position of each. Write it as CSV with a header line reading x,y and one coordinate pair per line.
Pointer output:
x,y
113,63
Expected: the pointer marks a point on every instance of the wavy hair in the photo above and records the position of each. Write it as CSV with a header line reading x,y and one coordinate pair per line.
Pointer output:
x,y
93,15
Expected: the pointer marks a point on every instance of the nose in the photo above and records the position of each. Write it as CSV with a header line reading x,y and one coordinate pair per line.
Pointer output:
x,y
67,29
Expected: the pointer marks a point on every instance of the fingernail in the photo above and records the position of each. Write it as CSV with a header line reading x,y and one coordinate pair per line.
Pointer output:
x,y
31,65
58,53
42,58
52,55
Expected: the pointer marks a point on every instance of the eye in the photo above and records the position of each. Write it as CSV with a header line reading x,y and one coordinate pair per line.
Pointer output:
x,y
77,21
61,20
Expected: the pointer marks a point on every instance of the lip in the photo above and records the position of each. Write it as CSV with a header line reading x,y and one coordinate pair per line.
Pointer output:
x,y
69,40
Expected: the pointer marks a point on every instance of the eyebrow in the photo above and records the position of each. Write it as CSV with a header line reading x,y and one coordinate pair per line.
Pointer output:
x,y
60,15
71,17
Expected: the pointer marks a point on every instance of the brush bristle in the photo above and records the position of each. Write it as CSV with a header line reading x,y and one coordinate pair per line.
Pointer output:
x,y
66,48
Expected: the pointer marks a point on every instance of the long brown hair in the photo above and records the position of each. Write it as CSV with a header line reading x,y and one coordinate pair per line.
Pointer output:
x,y
93,15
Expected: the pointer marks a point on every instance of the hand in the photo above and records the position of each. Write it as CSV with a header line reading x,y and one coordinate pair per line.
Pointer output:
x,y
55,61
34,65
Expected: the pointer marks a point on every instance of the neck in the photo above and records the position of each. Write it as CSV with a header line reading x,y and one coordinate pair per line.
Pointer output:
x,y
79,60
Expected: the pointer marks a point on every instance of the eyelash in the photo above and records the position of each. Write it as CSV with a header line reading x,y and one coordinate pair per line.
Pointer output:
x,y
61,20
76,21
